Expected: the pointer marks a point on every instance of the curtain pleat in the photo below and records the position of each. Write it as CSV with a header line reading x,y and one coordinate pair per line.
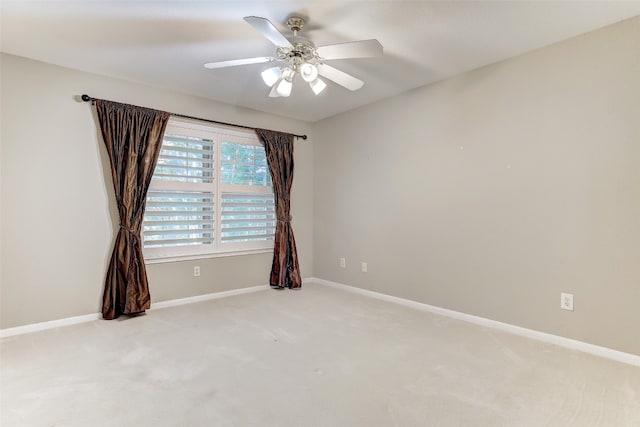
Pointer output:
x,y
285,271
133,137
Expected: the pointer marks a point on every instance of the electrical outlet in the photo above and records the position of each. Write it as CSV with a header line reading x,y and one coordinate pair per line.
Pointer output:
x,y
364,267
566,301
196,271
343,263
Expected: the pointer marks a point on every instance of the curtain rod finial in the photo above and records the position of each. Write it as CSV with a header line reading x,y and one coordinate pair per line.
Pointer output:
x,y
86,98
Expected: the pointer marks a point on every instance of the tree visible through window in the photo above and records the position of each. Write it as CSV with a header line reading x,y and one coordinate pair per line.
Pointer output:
x,y
210,193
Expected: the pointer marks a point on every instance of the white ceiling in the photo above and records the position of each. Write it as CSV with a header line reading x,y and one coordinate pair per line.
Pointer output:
x,y
165,43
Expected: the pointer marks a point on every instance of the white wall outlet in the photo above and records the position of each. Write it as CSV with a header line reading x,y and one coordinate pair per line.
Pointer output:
x,y
343,263
566,301
364,267
196,271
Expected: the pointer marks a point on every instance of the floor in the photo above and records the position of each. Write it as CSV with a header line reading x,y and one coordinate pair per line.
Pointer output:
x,y
314,357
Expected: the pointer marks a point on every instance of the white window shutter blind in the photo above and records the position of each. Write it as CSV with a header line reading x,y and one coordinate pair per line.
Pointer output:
x,y
181,200
179,218
247,217
210,193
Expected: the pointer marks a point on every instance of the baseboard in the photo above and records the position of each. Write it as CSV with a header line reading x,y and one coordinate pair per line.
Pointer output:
x,y
51,324
207,297
36,327
596,350
608,353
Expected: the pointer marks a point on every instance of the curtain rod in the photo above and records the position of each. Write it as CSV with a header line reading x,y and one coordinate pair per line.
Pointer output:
x,y
87,98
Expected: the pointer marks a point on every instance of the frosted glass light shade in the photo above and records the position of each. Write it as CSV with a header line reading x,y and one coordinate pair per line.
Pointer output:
x,y
288,74
271,75
317,86
274,92
309,72
284,87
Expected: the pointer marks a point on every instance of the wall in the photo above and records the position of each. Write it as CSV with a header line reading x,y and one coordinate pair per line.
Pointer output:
x,y
493,192
58,221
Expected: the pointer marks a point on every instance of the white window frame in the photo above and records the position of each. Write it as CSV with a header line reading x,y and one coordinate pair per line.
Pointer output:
x,y
218,248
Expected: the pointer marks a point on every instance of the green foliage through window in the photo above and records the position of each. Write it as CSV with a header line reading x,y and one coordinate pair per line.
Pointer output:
x,y
242,164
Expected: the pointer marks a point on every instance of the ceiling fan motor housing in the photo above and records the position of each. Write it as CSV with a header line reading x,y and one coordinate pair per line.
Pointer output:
x,y
302,52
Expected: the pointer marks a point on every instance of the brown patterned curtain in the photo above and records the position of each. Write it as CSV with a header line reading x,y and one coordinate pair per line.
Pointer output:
x,y
133,137
285,272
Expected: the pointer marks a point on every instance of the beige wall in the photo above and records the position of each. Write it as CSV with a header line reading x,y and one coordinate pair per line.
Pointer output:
x,y
493,192
57,224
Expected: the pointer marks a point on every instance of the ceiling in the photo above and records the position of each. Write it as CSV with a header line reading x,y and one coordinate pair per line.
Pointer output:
x,y
165,43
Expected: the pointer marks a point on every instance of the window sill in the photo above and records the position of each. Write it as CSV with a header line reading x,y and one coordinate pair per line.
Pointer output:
x,y
163,260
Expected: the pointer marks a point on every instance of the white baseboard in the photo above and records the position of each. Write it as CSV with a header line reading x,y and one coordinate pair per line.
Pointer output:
x,y
51,324
608,353
207,297
596,350
35,327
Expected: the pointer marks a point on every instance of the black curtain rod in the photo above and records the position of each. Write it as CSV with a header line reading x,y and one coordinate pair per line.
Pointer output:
x,y
87,98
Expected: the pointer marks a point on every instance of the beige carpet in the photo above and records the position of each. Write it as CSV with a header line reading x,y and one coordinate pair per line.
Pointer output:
x,y
315,357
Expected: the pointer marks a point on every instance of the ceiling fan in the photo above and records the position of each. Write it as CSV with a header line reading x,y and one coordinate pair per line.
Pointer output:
x,y
301,56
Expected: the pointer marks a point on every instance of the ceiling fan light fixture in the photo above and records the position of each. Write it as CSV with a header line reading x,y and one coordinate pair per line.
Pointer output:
x,y
309,72
317,86
284,87
274,91
288,74
271,75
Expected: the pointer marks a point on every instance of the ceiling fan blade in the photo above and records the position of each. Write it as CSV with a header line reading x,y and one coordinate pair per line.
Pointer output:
x,y
235,62
359,49
267,29
340,77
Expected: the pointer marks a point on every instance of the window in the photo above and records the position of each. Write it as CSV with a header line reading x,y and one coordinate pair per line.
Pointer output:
x,y
210,193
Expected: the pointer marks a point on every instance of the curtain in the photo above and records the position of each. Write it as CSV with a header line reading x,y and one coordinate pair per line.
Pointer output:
x,y
133,137
278,146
